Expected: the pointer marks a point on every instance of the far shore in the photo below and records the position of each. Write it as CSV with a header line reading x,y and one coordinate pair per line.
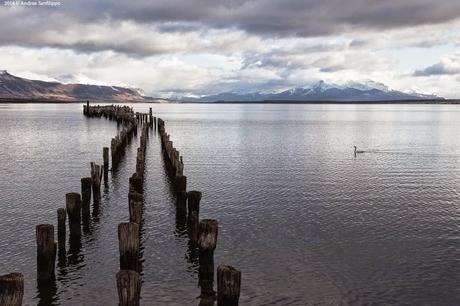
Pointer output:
x,y
164,101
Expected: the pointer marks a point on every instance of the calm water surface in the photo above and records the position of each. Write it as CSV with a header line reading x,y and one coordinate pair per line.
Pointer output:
x,y
306,221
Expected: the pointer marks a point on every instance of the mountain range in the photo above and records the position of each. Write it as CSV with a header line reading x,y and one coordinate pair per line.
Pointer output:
x,y
321,91
16,88
13,87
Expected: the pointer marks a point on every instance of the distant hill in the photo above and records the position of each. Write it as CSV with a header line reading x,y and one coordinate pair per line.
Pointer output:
x,y
322,91
12,87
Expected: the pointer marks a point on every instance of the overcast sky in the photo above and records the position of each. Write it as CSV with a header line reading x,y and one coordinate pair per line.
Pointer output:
x,y
197,47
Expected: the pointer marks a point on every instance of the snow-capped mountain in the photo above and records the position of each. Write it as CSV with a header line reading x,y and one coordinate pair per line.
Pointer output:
x,y
322,91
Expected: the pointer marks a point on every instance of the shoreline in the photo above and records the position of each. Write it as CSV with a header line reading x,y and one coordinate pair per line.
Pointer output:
x,y
408,102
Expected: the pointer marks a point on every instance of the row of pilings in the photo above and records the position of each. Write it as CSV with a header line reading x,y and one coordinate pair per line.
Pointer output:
x,y
129,233
77,212
202,233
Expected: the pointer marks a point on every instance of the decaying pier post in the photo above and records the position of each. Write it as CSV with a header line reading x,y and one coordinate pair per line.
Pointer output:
x,y
193,200
128,240
135,211
135,196
150,117
207,241
61,229
105,155
181,212
181,202
96,176
11,289
136,184
73,207
193,215
114,150
46,251
181,183
128,287
86,197
228,286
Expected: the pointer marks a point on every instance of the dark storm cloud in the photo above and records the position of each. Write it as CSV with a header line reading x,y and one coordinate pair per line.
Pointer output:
x,y
277,17
48,27
441,68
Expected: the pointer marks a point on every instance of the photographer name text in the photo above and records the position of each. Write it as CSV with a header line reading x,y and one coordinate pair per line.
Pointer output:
x,y
32,3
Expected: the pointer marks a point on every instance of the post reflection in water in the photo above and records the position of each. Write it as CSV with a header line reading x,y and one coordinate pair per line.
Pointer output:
x,y
46,292
74,255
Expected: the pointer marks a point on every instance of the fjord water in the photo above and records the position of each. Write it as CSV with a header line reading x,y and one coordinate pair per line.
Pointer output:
x,y
305,220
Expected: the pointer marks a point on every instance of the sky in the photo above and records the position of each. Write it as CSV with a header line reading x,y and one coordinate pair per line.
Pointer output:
x,y
201,47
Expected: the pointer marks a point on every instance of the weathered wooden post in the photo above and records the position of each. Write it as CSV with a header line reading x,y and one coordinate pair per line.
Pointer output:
x,y
181,203
228,286
86,197
96,175
113,150
207,241
46,251
61,231
128,240
192,226
193,199
140,164
135,212
135,182
150,117
105,155
73,207
128,287
181,183
11,289
193,216
135,196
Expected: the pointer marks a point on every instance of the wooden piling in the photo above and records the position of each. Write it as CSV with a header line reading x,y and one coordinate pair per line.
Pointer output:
x,y
73,207
193,199
46,251
181,203
114,151
135,183
128,240
181,183
11,289
96,175
61,229
128,287
86,196
193,215
135,196
228,286
207,241
105,155
192,226
181,212
135,212
150,117
207,235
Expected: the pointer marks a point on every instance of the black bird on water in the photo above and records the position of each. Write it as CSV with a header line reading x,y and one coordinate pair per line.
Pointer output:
x,y
357,151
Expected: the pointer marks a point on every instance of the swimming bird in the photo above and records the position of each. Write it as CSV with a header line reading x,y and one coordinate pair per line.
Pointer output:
x,y
358,151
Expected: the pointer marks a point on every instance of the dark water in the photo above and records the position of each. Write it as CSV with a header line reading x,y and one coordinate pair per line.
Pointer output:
x,y
306,221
